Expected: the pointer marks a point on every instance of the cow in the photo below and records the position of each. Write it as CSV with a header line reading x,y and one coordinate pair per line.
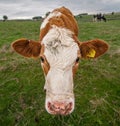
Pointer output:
x,y
99,17
59,50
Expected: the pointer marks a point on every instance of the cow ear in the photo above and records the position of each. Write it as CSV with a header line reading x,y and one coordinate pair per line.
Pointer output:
x,y
93,48
27,48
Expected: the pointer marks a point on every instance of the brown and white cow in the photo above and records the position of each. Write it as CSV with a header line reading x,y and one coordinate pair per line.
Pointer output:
x,y
59,50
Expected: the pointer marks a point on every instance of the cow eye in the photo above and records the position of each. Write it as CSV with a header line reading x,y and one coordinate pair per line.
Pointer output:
x,y
77,60
42,59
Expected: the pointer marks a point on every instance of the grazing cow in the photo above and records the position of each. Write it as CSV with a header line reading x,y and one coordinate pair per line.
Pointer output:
x,y
99,17
59,50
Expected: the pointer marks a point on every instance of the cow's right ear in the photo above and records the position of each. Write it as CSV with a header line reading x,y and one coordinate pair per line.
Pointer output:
x,y
27,48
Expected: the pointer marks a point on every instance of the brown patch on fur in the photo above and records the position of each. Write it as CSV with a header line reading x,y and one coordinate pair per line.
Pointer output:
x,y
66,20
57,21
69,19
45,65
27,48
70,23
76,65
99,46
64,10
44,31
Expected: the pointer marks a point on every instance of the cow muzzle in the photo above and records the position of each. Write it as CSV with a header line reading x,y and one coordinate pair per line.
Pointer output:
x,y
59,106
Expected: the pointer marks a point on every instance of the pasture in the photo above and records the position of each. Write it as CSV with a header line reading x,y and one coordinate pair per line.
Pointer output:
x,y
97,82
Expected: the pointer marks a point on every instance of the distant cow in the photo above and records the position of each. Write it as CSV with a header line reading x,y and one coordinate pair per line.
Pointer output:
x,y
99,17
59,50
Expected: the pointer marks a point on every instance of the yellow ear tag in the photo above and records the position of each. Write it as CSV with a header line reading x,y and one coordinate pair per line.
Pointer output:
x,y
91,53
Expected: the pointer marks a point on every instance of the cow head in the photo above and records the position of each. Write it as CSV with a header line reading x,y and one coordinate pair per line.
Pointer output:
x,y
59,60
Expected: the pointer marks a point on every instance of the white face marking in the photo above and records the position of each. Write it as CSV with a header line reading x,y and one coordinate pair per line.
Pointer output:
x,y
61,53
53,14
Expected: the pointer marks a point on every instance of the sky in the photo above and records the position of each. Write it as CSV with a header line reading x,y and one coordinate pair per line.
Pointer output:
x,y
26,9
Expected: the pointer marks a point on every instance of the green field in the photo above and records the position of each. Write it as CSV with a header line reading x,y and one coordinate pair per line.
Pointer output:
x,y
97,82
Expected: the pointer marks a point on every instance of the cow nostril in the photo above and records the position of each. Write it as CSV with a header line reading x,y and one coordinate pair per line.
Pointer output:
x,y
70,104
49,104
57,106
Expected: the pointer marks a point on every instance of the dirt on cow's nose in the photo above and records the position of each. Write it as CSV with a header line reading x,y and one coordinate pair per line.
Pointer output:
x,y
60,108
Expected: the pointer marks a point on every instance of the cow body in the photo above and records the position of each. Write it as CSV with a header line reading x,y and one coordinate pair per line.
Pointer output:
x,y
99,17
59,50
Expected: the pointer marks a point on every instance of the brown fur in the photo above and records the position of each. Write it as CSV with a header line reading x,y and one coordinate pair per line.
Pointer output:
x,y
30,48
66,20
99,46
27,48
68,16
45,65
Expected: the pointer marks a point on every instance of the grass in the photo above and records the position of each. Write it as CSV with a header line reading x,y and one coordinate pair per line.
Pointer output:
x,y
97,82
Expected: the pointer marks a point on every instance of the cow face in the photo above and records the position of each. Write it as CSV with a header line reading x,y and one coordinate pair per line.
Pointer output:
x,y
59,60
61,55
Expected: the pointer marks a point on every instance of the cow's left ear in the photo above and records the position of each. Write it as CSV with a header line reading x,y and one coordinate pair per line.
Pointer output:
x,y
93,48
27,48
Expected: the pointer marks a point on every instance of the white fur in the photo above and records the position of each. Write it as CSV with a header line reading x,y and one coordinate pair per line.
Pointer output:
x,y
61,53
60,48
53,14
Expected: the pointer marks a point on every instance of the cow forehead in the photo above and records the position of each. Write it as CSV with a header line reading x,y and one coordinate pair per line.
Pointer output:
x,y
62,59
51,15
60,48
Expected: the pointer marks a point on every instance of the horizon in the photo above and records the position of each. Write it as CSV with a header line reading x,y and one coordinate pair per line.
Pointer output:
x,y
31,18
27,9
